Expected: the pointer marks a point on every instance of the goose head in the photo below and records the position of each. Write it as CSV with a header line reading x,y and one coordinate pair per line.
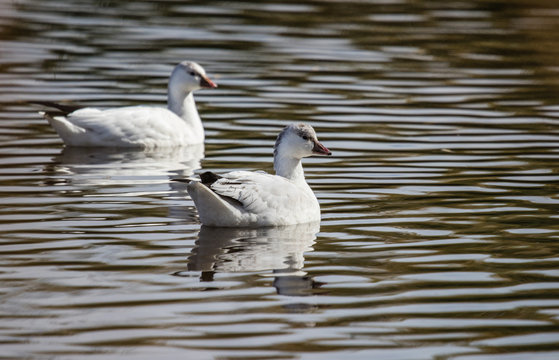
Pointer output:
x,y
188,76
297,141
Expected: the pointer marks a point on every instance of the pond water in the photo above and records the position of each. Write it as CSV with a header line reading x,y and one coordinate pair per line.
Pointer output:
x,y
440,225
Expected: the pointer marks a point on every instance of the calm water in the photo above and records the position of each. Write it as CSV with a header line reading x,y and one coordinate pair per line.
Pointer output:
x,y
440,230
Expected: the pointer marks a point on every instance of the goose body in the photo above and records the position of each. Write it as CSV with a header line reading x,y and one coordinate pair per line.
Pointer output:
x,y
138,126
248,199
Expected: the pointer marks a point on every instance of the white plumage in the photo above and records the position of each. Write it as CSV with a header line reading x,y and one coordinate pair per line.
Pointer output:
x,y
145,127
247,199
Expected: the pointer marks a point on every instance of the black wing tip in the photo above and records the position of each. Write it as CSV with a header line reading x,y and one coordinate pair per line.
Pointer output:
x,y
209,178
182,180
65,109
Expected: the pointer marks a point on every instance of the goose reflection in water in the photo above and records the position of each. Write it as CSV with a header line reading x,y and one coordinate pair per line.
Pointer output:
x,y
276,249
114,166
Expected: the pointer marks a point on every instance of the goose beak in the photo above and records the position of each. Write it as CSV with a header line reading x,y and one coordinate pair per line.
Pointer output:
x,y
320,149
205,82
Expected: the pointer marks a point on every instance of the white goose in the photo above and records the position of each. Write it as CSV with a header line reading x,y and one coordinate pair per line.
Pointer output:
x,y
248,199
145,127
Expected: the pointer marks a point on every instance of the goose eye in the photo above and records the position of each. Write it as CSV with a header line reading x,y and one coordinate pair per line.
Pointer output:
x,y
305,137
192,73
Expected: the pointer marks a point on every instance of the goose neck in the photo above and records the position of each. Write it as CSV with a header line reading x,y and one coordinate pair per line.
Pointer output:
x,y
184,106
289,167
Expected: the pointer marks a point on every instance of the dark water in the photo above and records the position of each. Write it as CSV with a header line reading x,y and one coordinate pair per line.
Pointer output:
x,y
440,230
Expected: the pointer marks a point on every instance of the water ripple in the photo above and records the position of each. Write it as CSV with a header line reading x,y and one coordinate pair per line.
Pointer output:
x,y
439,204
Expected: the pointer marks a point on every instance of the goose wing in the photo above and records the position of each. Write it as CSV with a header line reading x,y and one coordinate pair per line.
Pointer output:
x,y
133,126
257,192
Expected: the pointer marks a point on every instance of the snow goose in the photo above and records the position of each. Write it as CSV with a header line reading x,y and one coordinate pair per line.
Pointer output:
x,y
249,199
138,126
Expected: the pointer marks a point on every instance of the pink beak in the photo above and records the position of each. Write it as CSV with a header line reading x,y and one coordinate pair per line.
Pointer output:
x,y
320,149
205,82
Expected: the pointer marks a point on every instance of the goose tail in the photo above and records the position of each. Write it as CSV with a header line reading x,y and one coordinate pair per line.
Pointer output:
x,y
65,129
213,209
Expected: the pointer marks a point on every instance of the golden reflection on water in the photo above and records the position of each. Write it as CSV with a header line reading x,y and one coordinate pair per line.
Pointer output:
x,y
440,204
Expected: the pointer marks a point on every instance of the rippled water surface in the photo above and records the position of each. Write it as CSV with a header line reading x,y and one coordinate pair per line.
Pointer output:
x,y
440,222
